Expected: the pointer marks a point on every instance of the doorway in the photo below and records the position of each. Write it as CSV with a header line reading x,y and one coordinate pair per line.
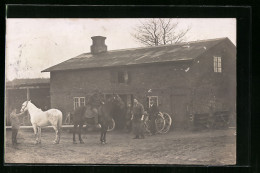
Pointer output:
x,y
178,109
120,115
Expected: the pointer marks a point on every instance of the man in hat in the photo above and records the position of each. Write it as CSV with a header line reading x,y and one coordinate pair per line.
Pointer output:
x,y
137,118
15,125
153,112
95,102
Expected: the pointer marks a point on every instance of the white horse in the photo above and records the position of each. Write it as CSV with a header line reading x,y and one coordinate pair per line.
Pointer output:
x,y
41,118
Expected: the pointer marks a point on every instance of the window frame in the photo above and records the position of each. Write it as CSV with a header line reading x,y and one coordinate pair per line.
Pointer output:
x,y
121,76
77,103
217,63
149,100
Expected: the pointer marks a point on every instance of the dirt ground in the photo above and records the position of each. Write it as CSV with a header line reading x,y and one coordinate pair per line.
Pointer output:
x,y
203,147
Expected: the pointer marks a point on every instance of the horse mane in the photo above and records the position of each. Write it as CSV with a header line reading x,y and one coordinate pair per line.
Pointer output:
x,y
34,107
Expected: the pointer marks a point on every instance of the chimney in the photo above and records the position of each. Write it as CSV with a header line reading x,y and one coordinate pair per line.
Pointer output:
x,y
98,45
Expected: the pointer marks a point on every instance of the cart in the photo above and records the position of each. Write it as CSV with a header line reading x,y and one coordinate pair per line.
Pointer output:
x,y
163,123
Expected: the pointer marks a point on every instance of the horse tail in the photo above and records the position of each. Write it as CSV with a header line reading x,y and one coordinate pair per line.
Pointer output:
x,y
59,123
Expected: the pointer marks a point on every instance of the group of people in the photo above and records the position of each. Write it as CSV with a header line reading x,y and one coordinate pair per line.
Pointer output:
x,y
135,112
137,117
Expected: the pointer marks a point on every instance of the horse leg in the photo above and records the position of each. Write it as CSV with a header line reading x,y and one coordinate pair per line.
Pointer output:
x,y
59,133
80,139
35,133
105,134
105,138
39,134
74,131
101,136
56,137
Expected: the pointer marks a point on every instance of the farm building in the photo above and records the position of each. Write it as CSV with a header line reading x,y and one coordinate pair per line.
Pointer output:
x,y
20,90
183,78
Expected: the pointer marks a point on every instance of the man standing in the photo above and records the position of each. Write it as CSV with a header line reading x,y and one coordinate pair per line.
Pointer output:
x,y
153,112
95,102
137,118
15,125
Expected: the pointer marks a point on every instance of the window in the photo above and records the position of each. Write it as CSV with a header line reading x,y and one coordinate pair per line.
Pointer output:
x,y
120,77
217,64
154,98
79,101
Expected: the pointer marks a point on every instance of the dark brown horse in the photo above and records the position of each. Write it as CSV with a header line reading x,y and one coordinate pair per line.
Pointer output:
x,y
105,112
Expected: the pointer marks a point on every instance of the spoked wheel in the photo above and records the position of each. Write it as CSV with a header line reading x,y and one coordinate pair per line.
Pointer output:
x,y
111,125
160,123
168,122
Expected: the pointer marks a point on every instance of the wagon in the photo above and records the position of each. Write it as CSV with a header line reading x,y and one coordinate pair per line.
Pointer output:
x,y
215,114
163,123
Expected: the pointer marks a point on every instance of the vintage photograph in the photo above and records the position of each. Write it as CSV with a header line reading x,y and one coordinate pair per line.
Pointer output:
x,y
120,91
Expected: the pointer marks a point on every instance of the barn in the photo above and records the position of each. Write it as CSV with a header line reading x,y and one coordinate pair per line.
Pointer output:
x,y
20,90
183,78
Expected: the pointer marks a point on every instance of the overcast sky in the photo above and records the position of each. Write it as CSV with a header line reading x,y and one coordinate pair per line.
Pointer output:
x,y
33,45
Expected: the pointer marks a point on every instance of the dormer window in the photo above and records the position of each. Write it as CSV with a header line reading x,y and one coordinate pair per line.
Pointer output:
x,y
217,64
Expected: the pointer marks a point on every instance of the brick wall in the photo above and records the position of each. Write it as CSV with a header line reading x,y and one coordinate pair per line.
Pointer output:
x,y
162,79
173,83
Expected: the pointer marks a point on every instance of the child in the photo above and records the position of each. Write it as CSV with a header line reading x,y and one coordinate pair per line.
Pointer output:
x,y
15,125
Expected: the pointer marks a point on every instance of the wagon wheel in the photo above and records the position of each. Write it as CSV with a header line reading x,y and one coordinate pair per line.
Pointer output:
x,y
111,125
168,122
160,123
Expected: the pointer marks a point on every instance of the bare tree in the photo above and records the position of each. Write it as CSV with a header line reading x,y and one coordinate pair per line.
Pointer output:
x,y
153,32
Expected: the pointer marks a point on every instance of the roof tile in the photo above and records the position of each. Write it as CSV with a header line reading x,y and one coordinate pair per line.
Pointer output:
x,y
134,56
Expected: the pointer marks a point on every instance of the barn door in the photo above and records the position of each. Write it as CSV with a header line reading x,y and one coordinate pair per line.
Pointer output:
x,y
178,107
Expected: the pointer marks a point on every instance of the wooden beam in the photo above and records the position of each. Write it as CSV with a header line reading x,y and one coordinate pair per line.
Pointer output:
x,y
28,93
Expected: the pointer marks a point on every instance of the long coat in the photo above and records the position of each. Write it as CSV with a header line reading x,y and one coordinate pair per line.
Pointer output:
x,y
138,125
153,112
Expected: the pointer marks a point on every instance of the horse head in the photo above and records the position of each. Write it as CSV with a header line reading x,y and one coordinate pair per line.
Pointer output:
x,y
25,106
101,98
116,99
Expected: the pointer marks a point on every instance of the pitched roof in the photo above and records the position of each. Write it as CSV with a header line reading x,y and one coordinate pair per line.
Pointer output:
x,y
28,82
125,57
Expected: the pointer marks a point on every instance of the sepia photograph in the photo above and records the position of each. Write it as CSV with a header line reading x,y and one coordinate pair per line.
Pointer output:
x,y
121,91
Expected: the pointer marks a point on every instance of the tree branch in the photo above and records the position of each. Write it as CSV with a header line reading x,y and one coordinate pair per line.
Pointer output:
x,y
159,31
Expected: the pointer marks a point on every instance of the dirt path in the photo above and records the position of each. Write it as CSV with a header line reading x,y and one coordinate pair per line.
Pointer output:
x,y
204,148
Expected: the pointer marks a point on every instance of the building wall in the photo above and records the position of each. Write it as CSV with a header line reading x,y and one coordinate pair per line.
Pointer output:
x,y
176,84
163,80
207,84
15,98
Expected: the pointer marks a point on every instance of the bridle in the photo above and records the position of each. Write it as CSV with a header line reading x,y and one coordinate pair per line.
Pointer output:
x,y
22,110
119,101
